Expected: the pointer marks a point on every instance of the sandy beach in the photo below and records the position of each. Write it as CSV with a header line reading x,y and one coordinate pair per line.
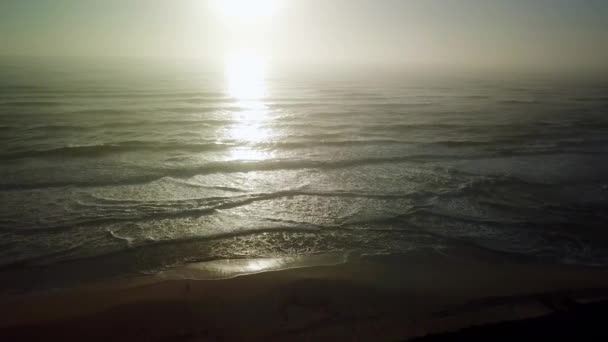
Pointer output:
x,y
380,298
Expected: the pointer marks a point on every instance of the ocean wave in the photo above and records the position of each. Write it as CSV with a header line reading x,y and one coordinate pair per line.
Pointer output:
x,y
123,211
92,151
101,92
519,102
127,240
502,145
276,241
193,184
65,255
33,103
591,99
236,166
519,238
111,211
27,87
147,124
95,111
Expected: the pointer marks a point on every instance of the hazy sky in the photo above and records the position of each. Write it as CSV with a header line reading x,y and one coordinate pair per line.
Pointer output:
x,y
435,32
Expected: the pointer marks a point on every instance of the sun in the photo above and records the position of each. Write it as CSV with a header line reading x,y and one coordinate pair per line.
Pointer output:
x,y
245,74
246,9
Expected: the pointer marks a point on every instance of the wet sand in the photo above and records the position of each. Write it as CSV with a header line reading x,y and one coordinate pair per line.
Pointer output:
x,y
379,298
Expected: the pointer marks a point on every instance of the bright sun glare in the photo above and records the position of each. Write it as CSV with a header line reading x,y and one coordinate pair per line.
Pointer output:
x,y
245,76
245,72
246,9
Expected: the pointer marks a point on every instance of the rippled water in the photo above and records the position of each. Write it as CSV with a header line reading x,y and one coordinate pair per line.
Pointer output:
x,y
136,168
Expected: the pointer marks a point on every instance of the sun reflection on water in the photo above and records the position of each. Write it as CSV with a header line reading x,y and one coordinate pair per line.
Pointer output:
x,y
246,84
247,153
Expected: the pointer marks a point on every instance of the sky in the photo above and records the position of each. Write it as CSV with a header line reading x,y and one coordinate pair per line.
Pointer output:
x,y
533,33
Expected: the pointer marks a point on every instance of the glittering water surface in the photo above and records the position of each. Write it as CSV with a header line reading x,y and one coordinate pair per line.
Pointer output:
x,y
138,168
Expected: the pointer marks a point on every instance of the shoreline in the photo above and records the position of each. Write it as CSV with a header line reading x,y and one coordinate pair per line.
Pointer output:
x,y
392,297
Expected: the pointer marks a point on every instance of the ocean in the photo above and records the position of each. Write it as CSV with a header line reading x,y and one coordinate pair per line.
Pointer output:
x,y
110,169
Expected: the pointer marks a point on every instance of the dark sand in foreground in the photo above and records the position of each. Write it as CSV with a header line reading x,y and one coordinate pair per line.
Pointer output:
x,y
391,298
